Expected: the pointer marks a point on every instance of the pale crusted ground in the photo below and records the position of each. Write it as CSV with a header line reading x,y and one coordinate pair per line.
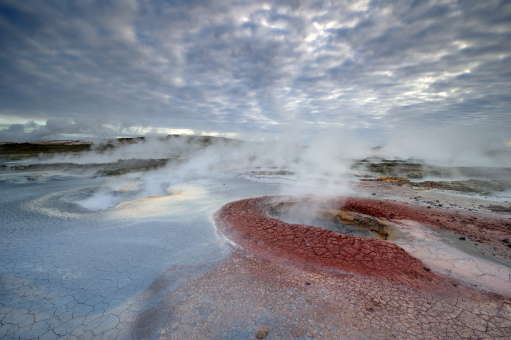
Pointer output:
x,y
244,293
235,298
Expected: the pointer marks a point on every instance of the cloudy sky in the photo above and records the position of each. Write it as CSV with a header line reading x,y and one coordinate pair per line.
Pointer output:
x,y
248,67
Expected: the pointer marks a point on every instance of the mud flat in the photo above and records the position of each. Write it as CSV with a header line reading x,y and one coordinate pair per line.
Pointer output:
x,y
369,266
415,169
84,255
246,292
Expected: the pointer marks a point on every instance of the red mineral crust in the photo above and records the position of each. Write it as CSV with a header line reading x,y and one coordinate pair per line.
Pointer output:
x,y
246,223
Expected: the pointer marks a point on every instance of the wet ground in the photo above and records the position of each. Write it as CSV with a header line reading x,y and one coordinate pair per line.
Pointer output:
x,y
68,271
85,256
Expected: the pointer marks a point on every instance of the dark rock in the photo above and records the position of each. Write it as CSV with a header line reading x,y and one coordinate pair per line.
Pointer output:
x,y
499,208
262,332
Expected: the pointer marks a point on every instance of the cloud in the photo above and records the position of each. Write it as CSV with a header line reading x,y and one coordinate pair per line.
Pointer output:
x,y
91,130
241,66
59,128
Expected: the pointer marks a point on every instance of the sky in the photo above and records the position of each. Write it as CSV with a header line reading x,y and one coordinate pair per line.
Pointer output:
x,y
253,68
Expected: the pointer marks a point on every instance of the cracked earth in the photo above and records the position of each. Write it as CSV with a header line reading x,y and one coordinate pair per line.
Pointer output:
x,y
97,276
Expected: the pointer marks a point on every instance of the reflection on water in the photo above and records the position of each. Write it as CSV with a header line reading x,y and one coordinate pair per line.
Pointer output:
x,y
327,223
150,206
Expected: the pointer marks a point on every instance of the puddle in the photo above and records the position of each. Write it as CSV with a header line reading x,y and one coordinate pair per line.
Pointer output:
x,y
343,222
337,226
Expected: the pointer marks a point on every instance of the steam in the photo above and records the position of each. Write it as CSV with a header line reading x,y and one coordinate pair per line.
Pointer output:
x,y
452,145
320,166
301,163
151,148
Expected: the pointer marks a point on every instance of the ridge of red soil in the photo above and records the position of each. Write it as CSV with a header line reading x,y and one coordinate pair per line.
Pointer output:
x,y
247,223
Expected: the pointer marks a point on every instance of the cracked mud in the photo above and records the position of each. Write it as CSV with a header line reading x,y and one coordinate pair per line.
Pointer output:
x,y
156,267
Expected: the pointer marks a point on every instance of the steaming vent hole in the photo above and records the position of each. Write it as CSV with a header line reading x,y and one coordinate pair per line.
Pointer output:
x,y
339,221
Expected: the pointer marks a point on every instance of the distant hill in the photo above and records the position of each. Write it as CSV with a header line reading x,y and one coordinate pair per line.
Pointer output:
x,y
15,151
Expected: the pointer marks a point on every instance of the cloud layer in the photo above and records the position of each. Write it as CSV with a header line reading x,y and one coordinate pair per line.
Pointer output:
x,y
245,66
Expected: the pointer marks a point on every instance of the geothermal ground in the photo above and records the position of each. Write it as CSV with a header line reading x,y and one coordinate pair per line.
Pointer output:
x,y
170,247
